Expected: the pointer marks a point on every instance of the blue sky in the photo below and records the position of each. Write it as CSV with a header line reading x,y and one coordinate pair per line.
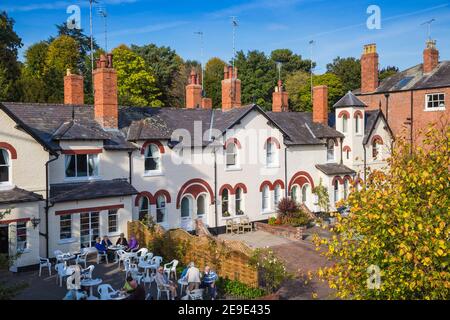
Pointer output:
x,y
337,27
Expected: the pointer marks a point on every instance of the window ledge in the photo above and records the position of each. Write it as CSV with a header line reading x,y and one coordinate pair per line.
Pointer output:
x,y
80,179
153,173
233,169
26,250
6,186
434,109
268,212
114,234
273,166
67,241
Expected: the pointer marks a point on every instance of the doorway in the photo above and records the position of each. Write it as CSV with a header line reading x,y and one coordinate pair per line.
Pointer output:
x,y
4,239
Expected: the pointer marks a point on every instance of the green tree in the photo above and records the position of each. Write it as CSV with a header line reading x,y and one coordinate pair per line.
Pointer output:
x,y
303,93
136,82
348,70
294,82
291,62
10,42
167,68
387,72
399,225
213,77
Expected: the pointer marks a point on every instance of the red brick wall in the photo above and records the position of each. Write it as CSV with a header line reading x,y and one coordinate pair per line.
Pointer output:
x,y
400,110
105,97
231,89
369,69
320,104
73,89
193,96
280,101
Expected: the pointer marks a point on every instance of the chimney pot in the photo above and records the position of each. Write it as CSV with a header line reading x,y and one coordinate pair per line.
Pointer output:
x,y
231,89
430,57
280,98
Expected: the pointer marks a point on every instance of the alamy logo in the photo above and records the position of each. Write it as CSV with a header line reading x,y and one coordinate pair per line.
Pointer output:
x,y
374,279
374,20
74,20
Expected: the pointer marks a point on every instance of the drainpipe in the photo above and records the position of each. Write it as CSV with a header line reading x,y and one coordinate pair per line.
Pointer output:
x,y
47,204
412,120
286,191
130,166
387,107
215,192
342,152
365,163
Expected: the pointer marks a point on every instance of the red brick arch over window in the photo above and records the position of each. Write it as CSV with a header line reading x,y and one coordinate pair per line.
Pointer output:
x,y
265,183
301,178
350,180
377,139
195,187
242,186
274,140
148,195
344,113
10,148
228,187
278,182
232,140
155,142
164,193
347,148
358,114
337,178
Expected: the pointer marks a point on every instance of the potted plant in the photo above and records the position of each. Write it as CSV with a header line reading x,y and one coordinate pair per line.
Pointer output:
x,y
226,214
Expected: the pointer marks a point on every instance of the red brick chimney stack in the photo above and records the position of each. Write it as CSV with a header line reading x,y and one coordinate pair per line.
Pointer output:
x,y
193,91
430,57
231,89
369,69
73,88
280,98
105,93
320,104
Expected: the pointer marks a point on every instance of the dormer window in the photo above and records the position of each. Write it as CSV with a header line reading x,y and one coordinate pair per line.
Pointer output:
x,y
231,155
4,167
152,158
377,144
330,150
271,153
81,165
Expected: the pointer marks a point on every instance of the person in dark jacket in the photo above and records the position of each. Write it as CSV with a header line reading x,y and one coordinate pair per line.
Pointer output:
x,y
137,291
122,241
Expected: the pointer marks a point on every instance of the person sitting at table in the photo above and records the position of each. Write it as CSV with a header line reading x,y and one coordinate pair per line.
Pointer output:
x,y
122,241
106,242
193,277
137,290
162,281
100,246
134,245
209,281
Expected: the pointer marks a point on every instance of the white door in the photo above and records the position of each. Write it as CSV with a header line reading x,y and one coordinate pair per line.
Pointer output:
x,y
89,229
186,213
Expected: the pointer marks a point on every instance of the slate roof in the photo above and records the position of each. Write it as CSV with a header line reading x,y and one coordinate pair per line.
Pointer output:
x,y
64,192
331,169
18,195
349,100
414,78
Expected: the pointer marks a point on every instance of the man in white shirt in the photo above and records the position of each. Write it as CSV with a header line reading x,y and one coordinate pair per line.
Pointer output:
x,y
193,277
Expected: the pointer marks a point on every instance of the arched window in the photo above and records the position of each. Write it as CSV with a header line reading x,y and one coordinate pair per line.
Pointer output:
x,y
276,195
225,202
347,154
266,199
161,215
271,154
336,191
346,189
330,150
357,126
152,158
376,148
344,123
144,208
4,167
185,207
305,190
294,193
231,155
201,205
238,202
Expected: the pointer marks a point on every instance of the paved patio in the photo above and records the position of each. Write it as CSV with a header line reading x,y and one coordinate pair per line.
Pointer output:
x,y
300,257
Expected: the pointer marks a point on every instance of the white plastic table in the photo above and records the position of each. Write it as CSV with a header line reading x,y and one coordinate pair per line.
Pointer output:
x,y
66,257
116,248
91,283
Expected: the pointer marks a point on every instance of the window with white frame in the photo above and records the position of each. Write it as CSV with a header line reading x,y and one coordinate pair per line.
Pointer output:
x,y
4,167
21,236
65,227
265,199
344,123
294,193
201,205
152,158
435,101
113,224
238,202
330,150
305,191
231,155
81,165
347,153
276,195
376,148
357,125
271,154
225,202
336,191
144,208
161,209
346,189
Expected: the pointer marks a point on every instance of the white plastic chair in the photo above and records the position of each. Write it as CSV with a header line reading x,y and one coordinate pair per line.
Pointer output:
x,y
45,263
106,291
161,288
121,257
101,255
87,272
196,294
82,257
140,253
61,271
58,255
145,258
171,268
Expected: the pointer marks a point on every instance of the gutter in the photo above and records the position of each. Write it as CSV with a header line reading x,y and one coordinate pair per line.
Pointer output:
x,y
365,163
47,203
286,191
130,160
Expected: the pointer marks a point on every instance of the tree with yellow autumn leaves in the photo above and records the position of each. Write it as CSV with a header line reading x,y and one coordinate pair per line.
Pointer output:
x,y
398,230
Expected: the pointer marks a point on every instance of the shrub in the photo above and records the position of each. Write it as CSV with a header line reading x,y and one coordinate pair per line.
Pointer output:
x,y
237,289
287,207
296,219
272,221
